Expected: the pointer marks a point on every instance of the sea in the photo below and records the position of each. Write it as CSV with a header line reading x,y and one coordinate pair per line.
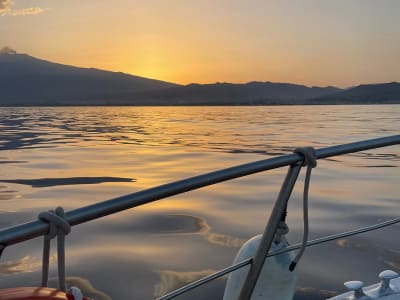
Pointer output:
x,y
77,156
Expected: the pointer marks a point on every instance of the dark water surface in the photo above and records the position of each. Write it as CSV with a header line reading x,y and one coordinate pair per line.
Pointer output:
x,y
78,156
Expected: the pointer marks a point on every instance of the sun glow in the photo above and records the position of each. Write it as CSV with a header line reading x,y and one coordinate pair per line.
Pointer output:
x,y
225,41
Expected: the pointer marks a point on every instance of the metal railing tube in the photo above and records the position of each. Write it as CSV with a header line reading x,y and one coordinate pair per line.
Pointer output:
x,y
337,236
37,228
269,232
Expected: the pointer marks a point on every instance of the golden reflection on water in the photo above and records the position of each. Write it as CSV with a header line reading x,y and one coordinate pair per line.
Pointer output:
x,y
87,288
187,235
203,229
24,264
171,280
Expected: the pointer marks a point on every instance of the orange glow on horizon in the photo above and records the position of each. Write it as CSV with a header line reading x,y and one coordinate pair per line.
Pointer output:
x,y
218,41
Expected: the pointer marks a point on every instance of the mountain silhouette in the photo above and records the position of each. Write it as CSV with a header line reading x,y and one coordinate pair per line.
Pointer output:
x,y
251,93
25,80
364,94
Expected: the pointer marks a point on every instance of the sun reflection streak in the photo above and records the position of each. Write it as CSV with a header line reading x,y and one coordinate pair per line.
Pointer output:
x,y
25,264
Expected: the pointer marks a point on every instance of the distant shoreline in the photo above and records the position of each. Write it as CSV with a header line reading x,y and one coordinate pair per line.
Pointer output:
x,y
28,81
209,105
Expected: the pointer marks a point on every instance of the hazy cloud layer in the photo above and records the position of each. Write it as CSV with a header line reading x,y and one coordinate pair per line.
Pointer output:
x,y
6,8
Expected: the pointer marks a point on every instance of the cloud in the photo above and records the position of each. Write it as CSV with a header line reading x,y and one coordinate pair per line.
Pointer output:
x,y
5,5
6,9
26,11
7,50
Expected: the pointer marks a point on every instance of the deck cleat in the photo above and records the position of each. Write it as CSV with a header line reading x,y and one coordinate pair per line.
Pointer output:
x,y
387,289
356,288
386,276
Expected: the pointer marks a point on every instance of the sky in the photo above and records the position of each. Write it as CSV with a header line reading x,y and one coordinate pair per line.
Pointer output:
x,y
312,42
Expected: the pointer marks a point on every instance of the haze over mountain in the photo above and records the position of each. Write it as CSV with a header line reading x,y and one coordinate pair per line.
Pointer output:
x,y
251,93
25,80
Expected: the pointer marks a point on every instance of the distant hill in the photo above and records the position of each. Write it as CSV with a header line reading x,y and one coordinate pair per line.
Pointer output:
x,y
25,80
364,94
252,93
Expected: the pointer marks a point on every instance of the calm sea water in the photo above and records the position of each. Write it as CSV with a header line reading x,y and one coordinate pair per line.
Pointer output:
x,y
78,156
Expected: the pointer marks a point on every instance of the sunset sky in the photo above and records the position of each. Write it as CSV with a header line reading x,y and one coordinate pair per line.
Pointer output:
x,y
312,42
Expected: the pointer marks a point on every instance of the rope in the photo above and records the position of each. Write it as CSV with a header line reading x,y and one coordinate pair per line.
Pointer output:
x,y
310,160
59,227
280,232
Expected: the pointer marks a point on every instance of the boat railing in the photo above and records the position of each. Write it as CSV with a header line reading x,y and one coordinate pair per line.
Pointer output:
x,y
34,229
